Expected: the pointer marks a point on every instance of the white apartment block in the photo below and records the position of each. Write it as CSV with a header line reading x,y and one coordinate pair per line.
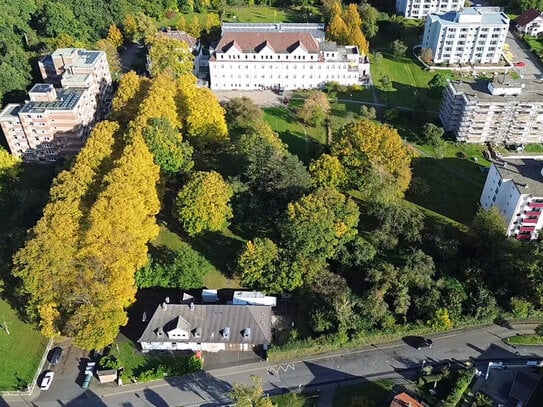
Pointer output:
x,y
421,8
515,188
501,111
55,122
277,58
475,35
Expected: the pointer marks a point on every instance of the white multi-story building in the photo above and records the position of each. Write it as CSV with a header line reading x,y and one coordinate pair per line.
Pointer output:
x,y
502,111
277,58
422,8
475,35
515,188
55,122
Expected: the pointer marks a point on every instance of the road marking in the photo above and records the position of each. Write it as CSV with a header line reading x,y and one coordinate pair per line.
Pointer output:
x,y
280,368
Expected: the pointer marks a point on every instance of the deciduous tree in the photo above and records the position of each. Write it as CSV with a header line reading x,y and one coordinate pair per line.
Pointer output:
x,y
242,113
115,36
327,171
252,395
316,108
398,48
170,54
202,204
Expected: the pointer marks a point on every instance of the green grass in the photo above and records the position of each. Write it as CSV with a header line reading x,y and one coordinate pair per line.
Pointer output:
x,y
535,44
295,400
524,340
306,145
533,148
373,393
20,351
214,279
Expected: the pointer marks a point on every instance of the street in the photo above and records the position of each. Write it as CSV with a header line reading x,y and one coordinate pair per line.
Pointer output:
x,y
396,360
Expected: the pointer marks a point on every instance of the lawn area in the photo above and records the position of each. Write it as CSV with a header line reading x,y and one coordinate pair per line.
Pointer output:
x,y
458,181
295,400
533,148
215,279
524,340
253,14
371,394
20,351
535,44
303,140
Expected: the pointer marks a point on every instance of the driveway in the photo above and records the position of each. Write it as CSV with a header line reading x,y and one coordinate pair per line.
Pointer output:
x,y
520,52
264,98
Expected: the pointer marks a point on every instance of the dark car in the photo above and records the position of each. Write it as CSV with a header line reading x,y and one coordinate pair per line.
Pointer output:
x,y
56,356
418,342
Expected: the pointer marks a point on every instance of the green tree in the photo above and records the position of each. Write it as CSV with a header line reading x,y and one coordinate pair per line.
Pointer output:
x,y
202,204
370,17
170,54
316,109
398,48
427,55
432,134
318,222
252,395
139,27
437,84
397,223
171,154
368,112
242,113
113,59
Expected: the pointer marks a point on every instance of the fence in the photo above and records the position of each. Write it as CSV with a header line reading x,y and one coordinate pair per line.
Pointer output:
x,y
30,388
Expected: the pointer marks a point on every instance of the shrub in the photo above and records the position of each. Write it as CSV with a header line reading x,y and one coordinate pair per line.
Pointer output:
x,y
520,308
459,387
539,330
171,14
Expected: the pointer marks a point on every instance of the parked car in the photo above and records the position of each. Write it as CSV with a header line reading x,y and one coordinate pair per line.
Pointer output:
x,y
86,382
46,380
418,342
56,356
520,64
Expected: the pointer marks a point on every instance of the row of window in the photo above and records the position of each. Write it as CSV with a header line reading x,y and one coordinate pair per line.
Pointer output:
x,y
278,76
294,57
319,66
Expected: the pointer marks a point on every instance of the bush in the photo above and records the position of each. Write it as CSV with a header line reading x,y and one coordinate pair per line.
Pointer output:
x,y
459,387
520,308
539,330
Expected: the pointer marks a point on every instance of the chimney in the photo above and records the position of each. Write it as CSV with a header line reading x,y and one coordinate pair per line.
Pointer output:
x,y
167,300
164,306
247,333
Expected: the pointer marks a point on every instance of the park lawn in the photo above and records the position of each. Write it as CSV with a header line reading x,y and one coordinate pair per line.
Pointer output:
x,y
535,44
306,145
408,82
295,400
214,279
533,148
373,394
524,340
20,351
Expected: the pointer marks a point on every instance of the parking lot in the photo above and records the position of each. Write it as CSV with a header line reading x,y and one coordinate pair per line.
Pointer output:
x,y
520,52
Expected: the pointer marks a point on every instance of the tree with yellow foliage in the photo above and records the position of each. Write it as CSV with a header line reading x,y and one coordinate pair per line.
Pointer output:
x,y
316,108
139,27
327,171
337,30
113,59
128,98
374,158
202,114
115,36
46,264
170,54
9,169
203,203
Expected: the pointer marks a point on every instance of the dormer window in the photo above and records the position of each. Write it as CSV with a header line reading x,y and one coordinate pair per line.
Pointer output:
x,y
247,333
226,333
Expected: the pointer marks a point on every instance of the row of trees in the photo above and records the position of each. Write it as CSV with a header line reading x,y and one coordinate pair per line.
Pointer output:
x,y
345,27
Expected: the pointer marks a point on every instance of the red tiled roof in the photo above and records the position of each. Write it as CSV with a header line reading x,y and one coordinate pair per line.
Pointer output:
x,y
279,42
405,400
527,17
180,36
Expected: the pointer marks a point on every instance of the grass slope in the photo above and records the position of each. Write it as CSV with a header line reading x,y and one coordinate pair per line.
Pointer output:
x,y
20,351
373,394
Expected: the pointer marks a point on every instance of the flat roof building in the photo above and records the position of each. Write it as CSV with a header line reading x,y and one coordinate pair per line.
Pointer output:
x,y
515,188
55,121
422,8
474,35
503,110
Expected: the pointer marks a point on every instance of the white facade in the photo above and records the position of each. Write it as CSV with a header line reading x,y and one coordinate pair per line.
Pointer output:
x,y
422,8
283,60
503,111
475,35
253,298
530,23
515,188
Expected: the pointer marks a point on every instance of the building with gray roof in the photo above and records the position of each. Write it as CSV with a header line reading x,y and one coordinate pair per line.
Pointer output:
x,y
515,188
503,110
474,35
207,327
315,29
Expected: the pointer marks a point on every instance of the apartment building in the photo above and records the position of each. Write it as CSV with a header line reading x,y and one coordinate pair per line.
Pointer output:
x,y
279,56
515,188
502,111
59,115
421,8
474,35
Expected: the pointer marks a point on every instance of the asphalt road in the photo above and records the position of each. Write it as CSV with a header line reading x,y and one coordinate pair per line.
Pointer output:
x,y
520,51
391,360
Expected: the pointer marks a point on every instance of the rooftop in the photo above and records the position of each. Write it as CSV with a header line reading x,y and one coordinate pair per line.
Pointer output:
x,y
209,321
532,91
528,16
41,88
280,42
67,99
315,29
472,15
10,111
180,36
85,58
524,172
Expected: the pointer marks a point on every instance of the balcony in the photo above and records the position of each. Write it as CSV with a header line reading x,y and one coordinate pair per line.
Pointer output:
x,y
535,204
527,229
524,236
532,213
529,221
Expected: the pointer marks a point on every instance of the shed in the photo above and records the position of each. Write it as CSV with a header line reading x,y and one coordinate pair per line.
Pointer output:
x,y
107,376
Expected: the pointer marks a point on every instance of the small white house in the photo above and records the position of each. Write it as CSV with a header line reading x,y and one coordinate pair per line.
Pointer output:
x,y
530,22
207,327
